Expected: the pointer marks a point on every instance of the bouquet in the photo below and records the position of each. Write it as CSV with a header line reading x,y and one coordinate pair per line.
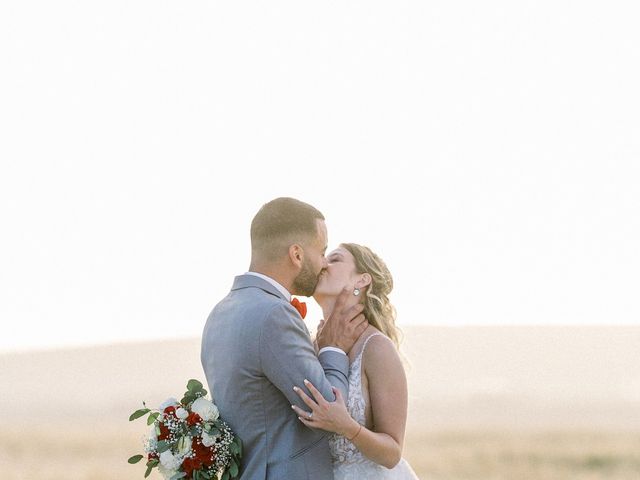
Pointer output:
x,y
188,439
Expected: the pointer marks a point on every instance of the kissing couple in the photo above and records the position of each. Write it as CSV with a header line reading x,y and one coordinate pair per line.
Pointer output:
x,y
333,407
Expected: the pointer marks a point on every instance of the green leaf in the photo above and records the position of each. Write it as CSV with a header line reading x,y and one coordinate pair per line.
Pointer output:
x,y
239,442
148,472
152,418
233,470
135,459
138,414
178,475
234,448
163,446
153,462
194,385
225,476
188,398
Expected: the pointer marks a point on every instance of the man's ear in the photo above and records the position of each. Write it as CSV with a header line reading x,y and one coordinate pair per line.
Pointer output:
x,y
296,255
363,281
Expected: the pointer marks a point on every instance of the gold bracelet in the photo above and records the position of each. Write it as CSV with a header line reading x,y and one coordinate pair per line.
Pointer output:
x,y
354,437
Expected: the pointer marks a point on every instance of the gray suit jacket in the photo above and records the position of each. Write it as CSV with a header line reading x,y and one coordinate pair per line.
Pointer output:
x,y
255,348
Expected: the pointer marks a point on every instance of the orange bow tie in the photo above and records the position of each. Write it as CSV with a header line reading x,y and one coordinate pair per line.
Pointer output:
x,y
300,306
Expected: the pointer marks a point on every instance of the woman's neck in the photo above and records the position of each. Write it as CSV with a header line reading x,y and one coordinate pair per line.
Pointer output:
x,y
328,303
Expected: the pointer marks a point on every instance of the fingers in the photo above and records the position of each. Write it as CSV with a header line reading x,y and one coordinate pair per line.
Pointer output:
x,y
358,321
355,312
342,299
314,391
305,398
359,329
338,394
306,422
300,412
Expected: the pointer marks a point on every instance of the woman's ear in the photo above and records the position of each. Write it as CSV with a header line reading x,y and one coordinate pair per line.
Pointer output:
x,y
296,255
363,281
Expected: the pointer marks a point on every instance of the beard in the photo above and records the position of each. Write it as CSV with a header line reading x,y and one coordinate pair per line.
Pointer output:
x,y
306,281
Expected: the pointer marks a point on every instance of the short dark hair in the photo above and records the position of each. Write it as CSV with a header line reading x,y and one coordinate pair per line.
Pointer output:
x,y
280,223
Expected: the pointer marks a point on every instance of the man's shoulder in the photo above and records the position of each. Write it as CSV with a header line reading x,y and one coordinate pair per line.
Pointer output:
x,y
252,301
256,296
255,285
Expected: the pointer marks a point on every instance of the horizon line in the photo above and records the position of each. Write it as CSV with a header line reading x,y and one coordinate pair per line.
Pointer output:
x,y
59,347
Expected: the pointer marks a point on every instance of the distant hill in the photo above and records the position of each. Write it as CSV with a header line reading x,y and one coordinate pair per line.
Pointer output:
x,y
458,377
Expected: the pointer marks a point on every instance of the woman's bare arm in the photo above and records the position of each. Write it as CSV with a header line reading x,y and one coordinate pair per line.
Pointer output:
x,y
388,394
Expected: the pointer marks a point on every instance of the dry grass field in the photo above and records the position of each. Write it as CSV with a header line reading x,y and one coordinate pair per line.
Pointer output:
x,y
99,452
508,455
486,403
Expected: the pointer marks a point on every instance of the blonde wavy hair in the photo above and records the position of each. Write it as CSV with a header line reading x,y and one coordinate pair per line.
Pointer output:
x,y
378,309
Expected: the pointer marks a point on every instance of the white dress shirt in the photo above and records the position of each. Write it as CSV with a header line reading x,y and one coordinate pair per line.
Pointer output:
x,y
287,295
280,288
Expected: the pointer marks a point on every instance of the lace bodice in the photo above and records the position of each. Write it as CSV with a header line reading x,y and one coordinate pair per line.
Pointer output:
x,y
348,462
342,450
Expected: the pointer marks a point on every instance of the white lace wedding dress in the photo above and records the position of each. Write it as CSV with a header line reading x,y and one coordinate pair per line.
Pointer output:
x,y
348,462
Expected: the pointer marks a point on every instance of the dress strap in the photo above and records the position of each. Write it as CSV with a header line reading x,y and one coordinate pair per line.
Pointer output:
x,y
367,341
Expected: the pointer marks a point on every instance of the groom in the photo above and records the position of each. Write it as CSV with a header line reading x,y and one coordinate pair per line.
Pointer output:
x,y
256,347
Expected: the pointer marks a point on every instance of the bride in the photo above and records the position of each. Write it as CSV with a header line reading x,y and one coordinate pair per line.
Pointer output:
x,y
369,428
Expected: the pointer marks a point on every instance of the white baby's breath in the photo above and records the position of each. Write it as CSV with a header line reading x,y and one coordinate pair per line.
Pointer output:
x,y
151,440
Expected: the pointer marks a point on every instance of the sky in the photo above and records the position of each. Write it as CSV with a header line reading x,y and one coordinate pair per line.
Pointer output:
x,y
489,152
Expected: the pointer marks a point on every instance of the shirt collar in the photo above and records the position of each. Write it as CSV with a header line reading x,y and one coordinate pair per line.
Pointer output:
x,y
280,288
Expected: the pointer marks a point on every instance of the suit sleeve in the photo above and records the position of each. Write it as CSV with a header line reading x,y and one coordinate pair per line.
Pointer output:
x,y
287,357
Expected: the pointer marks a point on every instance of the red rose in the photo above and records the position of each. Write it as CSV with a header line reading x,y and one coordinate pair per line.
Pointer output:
x,y
191,464
210,460
164,432
203,454
193,418
188,466
170,410
152,456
